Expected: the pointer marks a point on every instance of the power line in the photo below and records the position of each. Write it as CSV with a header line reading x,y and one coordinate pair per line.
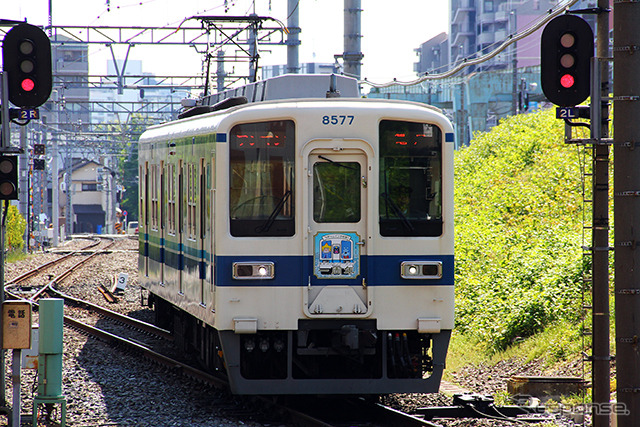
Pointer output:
x,y
552,13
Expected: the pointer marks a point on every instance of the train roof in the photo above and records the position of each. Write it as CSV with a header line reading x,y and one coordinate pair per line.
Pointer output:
x,y
282,90
291,86
207,120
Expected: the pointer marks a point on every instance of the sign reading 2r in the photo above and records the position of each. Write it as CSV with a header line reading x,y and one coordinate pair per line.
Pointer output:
x,y
337,120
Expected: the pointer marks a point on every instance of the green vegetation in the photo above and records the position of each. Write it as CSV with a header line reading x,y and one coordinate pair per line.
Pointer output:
x,y
16,226
129,133
518,220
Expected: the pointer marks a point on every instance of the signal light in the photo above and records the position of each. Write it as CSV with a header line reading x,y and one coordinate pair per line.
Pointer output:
x,y
27,85
38,164
566,49
26,57
8,177
567,81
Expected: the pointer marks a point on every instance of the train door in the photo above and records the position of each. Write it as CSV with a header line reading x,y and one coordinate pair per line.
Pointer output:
x,y
181,219
144,210
337,224
163,210
211,225
202,231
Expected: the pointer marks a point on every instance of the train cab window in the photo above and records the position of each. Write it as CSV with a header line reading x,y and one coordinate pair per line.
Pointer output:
x,y
336,192
410,193
261,190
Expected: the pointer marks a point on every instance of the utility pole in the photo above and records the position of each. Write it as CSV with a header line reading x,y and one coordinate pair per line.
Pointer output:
x,y
352,55
600,220
514,64
293,37
23,183
55,182
626,190
68,185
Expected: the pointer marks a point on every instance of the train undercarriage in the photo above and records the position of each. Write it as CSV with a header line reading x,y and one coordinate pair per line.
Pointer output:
x,y
344,356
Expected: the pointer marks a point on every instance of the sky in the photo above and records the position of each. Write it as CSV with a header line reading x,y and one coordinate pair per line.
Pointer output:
x,y
391,29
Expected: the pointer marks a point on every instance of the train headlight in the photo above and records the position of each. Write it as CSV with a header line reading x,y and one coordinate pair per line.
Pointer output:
x,y
421,270
253,270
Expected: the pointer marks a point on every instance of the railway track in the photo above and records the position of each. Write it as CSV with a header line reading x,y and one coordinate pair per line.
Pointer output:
x,y
145,340
98,322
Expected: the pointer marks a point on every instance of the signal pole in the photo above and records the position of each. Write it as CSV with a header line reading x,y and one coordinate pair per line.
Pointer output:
x,y
626,173
600,313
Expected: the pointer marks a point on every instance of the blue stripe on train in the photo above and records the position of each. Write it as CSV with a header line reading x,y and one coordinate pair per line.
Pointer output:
x,y
383,270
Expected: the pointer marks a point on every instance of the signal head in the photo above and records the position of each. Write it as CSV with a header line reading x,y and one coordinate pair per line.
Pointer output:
x,y
8,177
566,52
26,56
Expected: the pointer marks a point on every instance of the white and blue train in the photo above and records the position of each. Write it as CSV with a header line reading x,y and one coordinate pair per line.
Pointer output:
x,y
299,238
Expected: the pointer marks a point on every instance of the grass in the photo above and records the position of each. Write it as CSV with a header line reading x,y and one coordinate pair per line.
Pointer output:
x,y
557,344
15,255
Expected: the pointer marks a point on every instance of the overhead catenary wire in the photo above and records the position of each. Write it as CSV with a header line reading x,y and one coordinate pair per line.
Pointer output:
x,y
552,13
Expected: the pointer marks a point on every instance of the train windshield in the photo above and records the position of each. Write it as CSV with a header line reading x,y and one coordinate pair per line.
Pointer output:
x,y
261,191
410,179
336,191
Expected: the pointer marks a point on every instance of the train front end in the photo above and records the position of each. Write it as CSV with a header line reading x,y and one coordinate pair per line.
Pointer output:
x,y
334,247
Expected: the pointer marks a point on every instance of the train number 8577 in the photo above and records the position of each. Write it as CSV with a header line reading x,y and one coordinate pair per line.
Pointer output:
x,y
337,120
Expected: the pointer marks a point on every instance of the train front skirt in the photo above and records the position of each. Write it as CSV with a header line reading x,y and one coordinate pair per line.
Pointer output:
x,y
334,357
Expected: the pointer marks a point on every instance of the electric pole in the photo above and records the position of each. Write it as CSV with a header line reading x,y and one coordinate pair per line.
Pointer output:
x,y
626,189
600,312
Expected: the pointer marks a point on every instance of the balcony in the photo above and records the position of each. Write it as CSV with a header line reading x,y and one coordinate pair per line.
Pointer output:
x,y
461,16
487,17
485,38
502,16
500,35
462,36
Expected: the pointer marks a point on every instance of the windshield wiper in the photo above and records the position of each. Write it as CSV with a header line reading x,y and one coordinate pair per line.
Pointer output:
x,y
269,222
396,210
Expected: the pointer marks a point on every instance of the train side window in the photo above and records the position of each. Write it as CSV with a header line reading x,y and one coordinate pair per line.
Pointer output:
x,y
410,192
154,197
261,181
143,194
171,198
163,193
191,201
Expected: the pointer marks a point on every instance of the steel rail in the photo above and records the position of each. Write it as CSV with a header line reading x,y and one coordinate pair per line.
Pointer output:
x,y
46,265
146,352
114,315
68,272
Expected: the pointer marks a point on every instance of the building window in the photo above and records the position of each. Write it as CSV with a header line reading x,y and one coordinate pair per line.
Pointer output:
x,y
89,186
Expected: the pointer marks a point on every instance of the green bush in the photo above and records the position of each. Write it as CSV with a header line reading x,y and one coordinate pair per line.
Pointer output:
x,y
16,226
518,201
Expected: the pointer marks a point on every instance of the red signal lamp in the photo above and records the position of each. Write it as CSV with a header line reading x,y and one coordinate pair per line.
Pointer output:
x,y
27,85
567,81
